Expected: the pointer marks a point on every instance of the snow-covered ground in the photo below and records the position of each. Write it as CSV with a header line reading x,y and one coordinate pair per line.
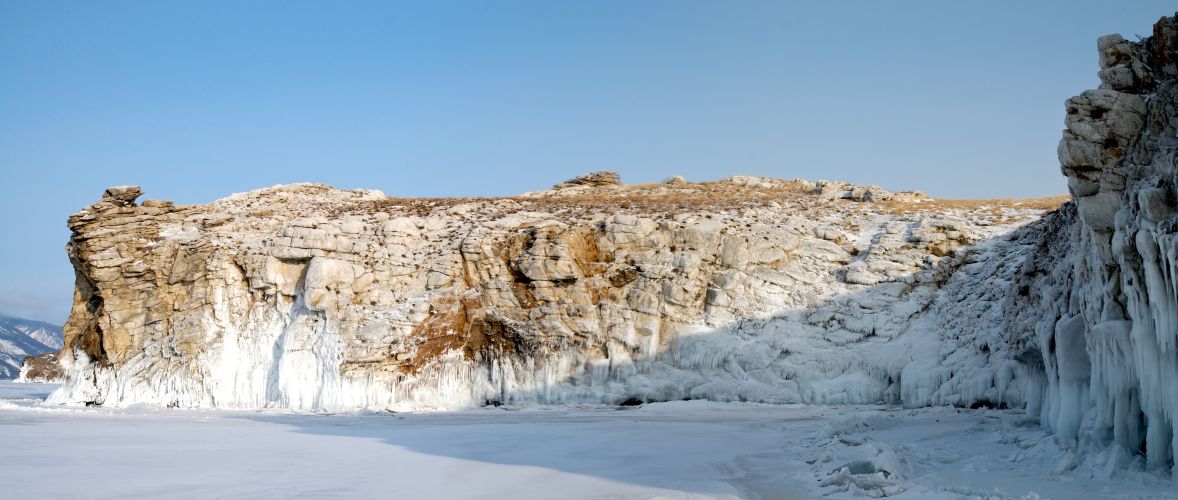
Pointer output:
x,y
688,449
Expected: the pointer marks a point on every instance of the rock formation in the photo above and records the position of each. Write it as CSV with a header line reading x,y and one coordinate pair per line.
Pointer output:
x,y
593,180
309,297
42,368
749,289
1103,282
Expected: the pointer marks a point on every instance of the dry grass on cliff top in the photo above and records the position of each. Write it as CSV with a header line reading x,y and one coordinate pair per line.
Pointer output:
x,y
709,196
632,198
994,206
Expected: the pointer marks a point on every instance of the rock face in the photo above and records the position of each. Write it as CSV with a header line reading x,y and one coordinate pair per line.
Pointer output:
x,y
1101,288
42,368
593,180
308,297
747,289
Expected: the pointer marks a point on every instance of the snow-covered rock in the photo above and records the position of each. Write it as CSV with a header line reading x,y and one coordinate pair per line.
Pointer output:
x,y
303,296
1097,302
40,369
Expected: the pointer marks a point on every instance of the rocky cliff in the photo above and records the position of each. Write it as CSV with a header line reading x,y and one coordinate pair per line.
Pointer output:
x,y
749,289
1104,314
308,297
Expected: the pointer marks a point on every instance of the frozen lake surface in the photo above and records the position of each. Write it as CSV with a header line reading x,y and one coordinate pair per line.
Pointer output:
x,y
688,449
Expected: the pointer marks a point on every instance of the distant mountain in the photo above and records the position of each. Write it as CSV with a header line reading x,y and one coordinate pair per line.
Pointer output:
x,y
23,337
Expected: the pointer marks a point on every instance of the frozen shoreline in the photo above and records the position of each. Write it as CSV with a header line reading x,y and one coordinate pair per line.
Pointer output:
x,y
689,449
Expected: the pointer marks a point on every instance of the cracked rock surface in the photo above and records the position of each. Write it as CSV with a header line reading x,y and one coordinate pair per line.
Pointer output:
x,y
309,297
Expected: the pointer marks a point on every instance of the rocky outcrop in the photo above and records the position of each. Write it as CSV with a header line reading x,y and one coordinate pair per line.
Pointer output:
x,y
42,368
1094,312
593,180
308,297
848,191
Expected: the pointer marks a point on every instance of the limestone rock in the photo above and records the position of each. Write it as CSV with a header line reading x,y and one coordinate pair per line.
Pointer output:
x,y
42,368
846,191
595,179
675,180
1094,305
309,297
157,204
125,195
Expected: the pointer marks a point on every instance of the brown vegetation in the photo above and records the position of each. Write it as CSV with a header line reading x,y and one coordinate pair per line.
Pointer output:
x,y
996,207
707,196
639,198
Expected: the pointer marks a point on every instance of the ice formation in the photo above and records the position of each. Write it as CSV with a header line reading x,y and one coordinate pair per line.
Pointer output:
x,y
1104,315
310,298
746,289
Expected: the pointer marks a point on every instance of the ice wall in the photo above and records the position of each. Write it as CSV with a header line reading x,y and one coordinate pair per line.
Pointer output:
x,y
1096,303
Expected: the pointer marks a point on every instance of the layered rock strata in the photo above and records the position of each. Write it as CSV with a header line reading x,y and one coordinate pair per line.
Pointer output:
x,y
309,297
1104,319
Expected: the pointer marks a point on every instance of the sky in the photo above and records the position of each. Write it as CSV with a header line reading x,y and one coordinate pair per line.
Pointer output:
x,y
194,101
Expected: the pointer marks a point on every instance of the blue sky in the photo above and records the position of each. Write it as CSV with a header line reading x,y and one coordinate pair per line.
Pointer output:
x,y
195,101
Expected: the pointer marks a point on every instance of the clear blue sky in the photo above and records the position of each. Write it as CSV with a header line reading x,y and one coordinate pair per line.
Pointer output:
x,y
197,100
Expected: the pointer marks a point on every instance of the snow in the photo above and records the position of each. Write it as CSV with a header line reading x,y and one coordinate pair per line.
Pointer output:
x,y
682,449
20,338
